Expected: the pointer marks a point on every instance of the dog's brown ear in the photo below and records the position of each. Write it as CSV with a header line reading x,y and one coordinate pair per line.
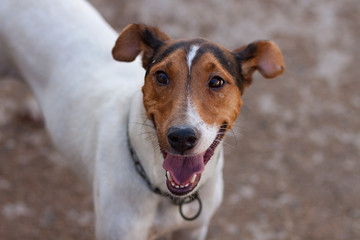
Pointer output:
x,y
136,38
264,56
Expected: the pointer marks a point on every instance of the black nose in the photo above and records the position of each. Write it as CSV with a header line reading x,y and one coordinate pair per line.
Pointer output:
x,y
182,138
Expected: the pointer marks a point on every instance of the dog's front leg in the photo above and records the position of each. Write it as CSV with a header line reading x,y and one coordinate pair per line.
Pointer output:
x,y
119,218
124,206
191,234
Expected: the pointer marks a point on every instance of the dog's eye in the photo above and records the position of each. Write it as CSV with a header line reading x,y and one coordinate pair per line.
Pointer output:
x,y
161,78
216,82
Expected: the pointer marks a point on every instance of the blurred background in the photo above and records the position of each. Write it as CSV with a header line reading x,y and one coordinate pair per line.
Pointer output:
x,y
292,168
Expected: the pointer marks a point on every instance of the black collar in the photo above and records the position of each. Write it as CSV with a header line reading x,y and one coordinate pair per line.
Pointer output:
x,y
177,201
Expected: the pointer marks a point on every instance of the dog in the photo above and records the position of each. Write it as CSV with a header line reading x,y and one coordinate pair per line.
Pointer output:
x,y
144,133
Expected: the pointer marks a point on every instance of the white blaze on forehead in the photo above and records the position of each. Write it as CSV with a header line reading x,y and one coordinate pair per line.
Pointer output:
x,y
207,132
191,55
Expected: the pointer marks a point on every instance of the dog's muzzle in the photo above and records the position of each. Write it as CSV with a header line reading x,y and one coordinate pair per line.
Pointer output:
x,y
183,172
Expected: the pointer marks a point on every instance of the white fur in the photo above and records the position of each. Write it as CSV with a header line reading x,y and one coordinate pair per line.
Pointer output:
x,y
207,132
191,55
62,48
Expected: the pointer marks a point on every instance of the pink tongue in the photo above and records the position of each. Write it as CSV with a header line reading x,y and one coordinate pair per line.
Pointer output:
x,y
182,168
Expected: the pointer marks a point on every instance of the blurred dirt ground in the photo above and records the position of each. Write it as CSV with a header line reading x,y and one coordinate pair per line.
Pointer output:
x,y
292,169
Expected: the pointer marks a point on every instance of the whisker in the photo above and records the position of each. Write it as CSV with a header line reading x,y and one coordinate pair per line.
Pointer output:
x,y
234,137
156,146
229,145
236,132
226,143
147,134
144,124
149,139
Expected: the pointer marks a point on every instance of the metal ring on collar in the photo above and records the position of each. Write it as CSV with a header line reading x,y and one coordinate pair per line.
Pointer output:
x,y
189,200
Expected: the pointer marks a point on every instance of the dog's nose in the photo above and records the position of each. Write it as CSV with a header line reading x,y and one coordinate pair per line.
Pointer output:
x,y
182,138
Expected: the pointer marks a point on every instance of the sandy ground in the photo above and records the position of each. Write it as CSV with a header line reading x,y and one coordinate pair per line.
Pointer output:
x,y
293,167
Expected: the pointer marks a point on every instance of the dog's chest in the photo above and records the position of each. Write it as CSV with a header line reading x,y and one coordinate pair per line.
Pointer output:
x,y
168,218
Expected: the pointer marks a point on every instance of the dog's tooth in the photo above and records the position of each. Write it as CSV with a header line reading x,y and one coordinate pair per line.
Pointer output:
x,y
193,178
176,186
181,186
173,184
169,176
187,184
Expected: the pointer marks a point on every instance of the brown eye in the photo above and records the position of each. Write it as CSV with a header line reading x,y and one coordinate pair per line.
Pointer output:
x,y
161,78
216,82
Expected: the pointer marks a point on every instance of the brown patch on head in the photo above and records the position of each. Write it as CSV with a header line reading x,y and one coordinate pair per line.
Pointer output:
x,y
209,67
214,105
166,104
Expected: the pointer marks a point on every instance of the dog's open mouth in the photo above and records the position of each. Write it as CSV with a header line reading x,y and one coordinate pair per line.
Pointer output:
x,y
183,172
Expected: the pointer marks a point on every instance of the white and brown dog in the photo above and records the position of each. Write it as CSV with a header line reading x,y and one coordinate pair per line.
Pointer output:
x,y
103,124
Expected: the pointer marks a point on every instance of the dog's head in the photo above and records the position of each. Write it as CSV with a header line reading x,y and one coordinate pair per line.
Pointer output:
x,y
192,93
